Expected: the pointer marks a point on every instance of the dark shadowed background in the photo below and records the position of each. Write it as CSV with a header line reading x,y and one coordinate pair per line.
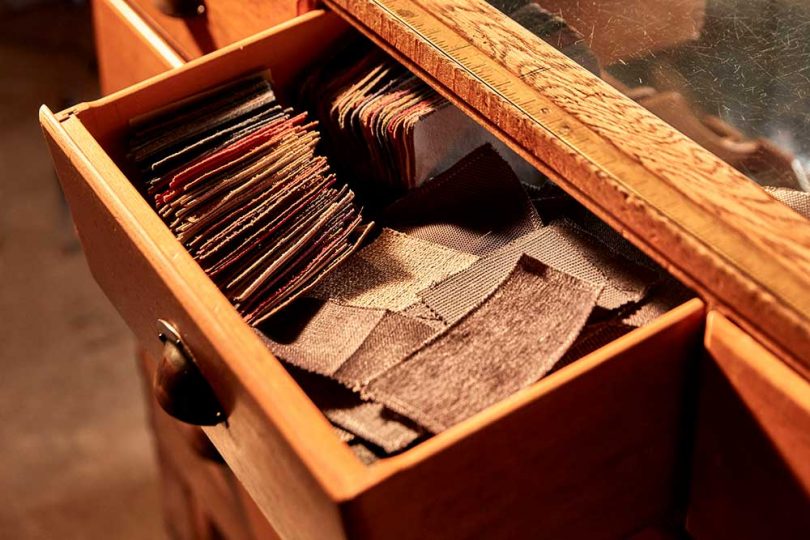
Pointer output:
x,y
77,458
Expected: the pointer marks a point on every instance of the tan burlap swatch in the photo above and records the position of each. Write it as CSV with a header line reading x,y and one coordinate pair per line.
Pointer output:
x,y
389,272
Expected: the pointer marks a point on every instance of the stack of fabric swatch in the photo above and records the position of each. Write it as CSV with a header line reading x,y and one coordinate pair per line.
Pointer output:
x,y
473,290
236,178
386,128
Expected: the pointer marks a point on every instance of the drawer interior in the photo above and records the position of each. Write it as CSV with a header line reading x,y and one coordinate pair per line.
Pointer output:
x,y
616,420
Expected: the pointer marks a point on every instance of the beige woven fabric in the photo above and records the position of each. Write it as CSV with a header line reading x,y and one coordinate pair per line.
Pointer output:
x,y
559,245
504,345
388,273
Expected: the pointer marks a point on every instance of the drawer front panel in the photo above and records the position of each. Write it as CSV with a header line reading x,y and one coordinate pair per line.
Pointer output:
x,y
751,476
221,497
275,440
222,23
597,452
128,49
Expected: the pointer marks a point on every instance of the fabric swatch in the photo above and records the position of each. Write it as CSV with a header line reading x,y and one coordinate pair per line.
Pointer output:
x,y
507,343
317,335
369,421
557,245
349,344
237,180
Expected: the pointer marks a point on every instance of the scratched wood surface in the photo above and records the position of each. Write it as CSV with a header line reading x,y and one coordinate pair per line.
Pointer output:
x,y
747,254
223,22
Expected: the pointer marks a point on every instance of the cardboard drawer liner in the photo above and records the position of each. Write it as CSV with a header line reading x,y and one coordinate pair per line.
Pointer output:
x,y
507,343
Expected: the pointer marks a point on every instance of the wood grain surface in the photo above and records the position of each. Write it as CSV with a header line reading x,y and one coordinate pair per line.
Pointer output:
x,y
279,445
707,223
128,49
223,22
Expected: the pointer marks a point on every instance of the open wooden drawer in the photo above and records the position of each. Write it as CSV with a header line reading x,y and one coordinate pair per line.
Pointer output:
x,y
595,450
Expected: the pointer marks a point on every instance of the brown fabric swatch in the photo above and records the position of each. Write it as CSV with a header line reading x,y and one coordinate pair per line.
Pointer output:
x,y
593,337
504,345
388,273
558,245
346,343
476,206
367,420
667,295
798,200
391,340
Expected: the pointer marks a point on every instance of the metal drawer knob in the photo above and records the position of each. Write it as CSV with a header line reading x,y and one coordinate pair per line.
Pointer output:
x,y
179,386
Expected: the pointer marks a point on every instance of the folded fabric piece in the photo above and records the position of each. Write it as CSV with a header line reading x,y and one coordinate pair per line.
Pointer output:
x,y
476,206
389,272
369,421
558,245
796,199
236,178
511,340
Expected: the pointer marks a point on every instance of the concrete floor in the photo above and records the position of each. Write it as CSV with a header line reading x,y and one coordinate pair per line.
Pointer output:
x,y
77,458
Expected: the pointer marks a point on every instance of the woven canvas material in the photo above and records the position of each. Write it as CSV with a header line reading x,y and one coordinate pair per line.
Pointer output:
x,y
476,206
558,245
508,342
388,273
795,199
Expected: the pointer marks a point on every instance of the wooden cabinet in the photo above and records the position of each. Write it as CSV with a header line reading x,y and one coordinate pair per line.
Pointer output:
x,y
127,48
603,448
751,473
